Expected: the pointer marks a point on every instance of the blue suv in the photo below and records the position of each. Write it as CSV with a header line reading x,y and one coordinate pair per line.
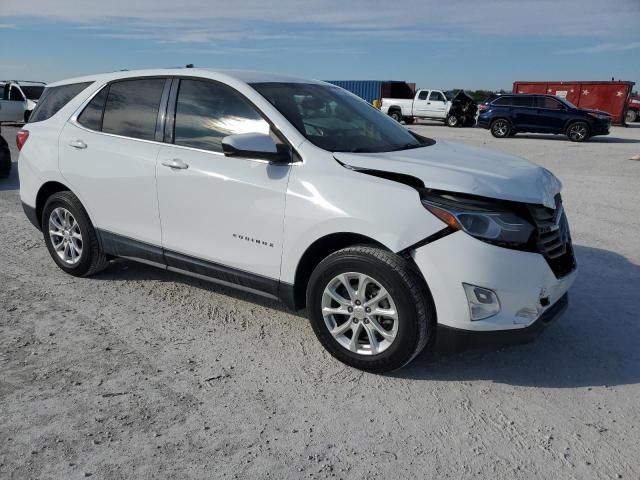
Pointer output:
x,y
506,115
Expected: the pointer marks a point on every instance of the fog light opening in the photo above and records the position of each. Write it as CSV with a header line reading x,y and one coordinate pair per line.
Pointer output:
x,y
483,303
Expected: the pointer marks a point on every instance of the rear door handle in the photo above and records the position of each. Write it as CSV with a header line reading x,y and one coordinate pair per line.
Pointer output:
x,y
78,144
175,163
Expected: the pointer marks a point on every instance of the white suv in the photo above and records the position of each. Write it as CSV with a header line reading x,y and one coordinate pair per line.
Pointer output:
x,y
297,190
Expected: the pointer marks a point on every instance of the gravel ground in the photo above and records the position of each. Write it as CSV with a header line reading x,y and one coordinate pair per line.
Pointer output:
x,y
140,373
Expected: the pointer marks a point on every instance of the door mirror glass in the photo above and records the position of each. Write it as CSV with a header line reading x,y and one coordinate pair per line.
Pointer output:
x,y
256,146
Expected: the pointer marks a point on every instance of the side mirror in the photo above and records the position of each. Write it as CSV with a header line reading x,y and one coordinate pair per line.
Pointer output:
x,y
256,146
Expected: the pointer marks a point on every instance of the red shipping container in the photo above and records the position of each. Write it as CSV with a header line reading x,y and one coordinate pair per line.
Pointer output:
x,y
611,97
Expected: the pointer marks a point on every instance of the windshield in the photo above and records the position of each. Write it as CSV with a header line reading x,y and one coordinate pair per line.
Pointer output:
x,y
335,120
32,92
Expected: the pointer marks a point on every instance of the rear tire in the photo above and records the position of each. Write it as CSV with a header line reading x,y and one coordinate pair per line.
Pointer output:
x,y
383,342
70,237
501,128
578,131
396,115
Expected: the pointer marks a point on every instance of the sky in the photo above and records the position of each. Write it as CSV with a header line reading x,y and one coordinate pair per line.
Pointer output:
x,y
471,44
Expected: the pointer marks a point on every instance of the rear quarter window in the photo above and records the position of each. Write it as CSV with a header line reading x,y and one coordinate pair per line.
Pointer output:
x,y
54,98
503,101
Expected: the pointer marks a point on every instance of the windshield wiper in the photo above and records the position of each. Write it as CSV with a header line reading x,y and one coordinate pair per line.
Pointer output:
x,y
410,145
359,150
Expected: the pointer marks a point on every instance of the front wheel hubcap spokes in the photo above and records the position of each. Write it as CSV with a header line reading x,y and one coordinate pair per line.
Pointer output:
x,y
65,235
359,313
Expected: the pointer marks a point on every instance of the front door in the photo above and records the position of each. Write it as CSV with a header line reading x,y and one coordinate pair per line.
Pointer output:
x,y
221,216
436,105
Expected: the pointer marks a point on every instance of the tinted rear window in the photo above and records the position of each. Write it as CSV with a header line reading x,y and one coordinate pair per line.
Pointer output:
x,y
54,98
132,108
91,116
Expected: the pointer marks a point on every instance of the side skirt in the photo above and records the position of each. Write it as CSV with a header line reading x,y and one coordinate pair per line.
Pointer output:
x,y
125,247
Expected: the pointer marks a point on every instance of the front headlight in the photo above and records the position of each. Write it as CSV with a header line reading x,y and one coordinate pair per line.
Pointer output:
x,y
600,116
480,220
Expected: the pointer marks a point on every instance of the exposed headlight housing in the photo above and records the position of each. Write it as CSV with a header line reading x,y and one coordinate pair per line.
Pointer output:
x,y
483,219
483,303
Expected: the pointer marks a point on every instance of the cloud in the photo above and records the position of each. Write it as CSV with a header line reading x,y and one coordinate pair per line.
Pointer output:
x,y
7,26
603,48
210,21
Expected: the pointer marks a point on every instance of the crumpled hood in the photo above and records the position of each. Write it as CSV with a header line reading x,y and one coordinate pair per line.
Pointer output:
x,y
459,168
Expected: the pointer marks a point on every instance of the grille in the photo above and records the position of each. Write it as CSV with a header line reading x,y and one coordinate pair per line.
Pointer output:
x,y
552,238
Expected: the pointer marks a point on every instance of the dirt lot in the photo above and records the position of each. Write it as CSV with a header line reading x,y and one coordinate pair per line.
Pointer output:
x,y
139,373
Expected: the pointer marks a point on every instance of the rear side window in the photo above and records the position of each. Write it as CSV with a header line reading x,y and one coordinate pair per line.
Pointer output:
x,y
423,95
132,108
524,101
503,101
54,98
206,112
91,116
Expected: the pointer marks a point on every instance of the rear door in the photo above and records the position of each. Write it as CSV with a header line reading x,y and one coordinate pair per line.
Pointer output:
x,y
221,216
108,155
524,112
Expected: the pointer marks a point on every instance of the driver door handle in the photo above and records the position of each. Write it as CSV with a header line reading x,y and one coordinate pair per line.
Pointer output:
x,y
175,163
79,144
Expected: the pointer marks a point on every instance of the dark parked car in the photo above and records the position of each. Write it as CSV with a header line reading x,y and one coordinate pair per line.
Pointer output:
x,y
506,115
5,157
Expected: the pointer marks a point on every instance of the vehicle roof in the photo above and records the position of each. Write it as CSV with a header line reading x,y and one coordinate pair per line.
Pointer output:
x,y
245,76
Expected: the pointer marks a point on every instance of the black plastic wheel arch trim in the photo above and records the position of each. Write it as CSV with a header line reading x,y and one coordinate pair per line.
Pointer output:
x,y
430,239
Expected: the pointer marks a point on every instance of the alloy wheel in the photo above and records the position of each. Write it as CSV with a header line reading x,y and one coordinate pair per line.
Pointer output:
x,y
577,132
360,313
65,235
501,128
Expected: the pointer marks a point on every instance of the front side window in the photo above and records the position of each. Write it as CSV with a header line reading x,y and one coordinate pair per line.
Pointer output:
x,y
437,97
15,94
335,120
54,98
206,112
131,109
549,103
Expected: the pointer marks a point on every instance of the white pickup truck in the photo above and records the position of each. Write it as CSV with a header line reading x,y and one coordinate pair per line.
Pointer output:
x,y
18,99
432,104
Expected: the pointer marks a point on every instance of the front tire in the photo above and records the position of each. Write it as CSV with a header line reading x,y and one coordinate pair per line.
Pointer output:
x,y
370,309
631,116
501,128
70,237
452,121
578,131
